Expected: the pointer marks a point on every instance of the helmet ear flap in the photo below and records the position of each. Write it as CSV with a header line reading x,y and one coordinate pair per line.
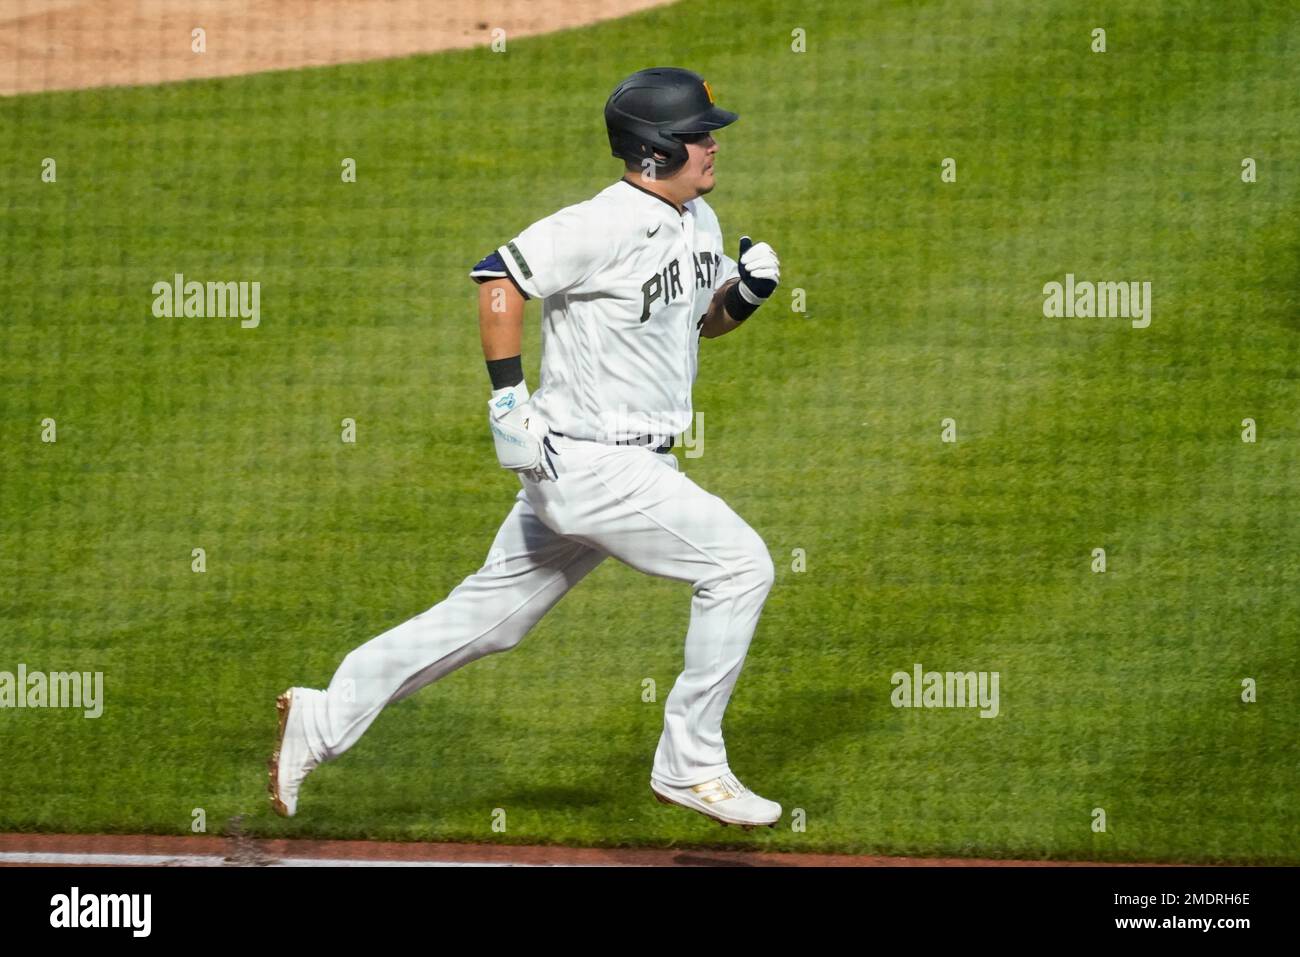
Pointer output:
x,y
634,149
675,158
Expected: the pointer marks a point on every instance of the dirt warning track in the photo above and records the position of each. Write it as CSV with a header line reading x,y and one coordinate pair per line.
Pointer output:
x,y
125,850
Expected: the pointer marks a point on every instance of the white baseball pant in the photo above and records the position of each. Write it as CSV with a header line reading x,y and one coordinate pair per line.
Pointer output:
x,y
624,501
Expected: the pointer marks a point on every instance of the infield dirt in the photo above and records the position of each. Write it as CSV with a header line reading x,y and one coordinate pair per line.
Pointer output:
x,y
73,44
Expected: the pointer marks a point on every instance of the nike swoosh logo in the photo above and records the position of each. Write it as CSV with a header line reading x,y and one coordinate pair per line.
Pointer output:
x,y
651,232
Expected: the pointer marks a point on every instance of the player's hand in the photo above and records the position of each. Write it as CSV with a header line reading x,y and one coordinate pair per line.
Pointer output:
x,y
519,434
760,271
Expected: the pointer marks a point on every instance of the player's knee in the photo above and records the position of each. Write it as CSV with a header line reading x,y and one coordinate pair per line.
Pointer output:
x,y
500,639
764,570
751,570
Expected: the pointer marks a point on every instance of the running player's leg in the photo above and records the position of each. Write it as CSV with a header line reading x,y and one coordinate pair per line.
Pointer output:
x,y
529,569
640,508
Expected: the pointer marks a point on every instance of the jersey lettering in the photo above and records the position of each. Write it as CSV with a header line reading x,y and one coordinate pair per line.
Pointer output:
x,y
704,270
665,284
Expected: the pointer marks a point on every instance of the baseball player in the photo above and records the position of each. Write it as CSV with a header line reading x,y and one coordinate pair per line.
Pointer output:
x,y
629,281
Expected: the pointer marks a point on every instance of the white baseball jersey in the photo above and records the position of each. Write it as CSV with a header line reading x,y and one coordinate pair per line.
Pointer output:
x,y
624,281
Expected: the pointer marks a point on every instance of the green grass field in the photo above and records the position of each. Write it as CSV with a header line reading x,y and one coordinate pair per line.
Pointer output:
x,y
1119,691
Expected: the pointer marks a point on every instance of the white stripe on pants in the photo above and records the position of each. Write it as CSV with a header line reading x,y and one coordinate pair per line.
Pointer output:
x,y
624,501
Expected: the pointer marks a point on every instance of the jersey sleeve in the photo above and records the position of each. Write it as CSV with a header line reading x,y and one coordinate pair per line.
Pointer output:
x,y
727,270
558,253
490,267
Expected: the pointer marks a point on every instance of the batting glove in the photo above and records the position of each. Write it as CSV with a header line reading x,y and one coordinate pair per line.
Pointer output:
x,y
520,436
760,271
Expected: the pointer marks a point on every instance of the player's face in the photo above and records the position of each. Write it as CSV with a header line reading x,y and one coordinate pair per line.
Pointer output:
x,y
697,174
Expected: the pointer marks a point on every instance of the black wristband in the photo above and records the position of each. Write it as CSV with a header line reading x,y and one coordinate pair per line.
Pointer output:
x,y
505,372
738,308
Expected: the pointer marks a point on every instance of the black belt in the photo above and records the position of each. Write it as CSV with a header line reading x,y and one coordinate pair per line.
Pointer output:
x,y
639,440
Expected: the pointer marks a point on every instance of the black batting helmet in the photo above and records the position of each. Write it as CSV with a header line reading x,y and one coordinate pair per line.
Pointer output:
x,y
653,110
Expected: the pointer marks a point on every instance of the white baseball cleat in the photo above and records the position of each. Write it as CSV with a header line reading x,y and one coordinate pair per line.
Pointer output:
x,y
292,760
724,799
